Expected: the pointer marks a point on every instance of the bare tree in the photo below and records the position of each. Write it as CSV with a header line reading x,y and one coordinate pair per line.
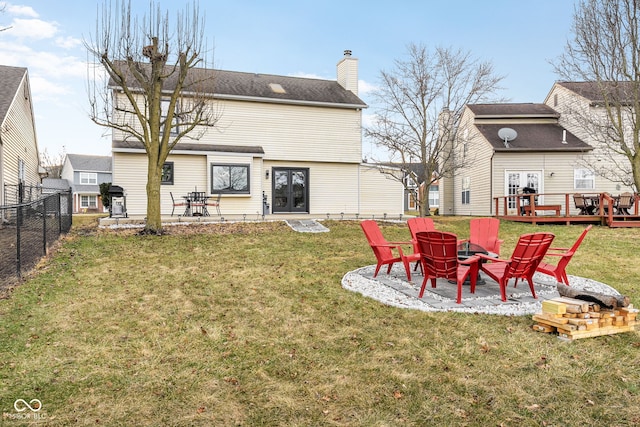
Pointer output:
x,y
53,163
605,51
2,8
154,68
420,103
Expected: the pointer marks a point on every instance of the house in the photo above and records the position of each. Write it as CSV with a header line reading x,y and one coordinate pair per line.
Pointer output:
x,y
413,180
582,109
85,173
19,157
506,147
291,145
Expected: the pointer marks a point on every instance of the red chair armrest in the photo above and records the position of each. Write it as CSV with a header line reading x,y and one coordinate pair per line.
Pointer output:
x,y
492,259
471,260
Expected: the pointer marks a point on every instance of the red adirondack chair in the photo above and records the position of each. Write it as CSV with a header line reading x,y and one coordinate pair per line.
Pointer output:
x,y
383,249
526,257
484,232
565,254
417,225
439,259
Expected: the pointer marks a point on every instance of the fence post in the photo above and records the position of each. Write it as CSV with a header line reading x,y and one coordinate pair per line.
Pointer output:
x,y
44,226
18,225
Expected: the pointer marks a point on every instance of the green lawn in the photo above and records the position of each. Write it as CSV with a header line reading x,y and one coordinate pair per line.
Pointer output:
x,y
247,324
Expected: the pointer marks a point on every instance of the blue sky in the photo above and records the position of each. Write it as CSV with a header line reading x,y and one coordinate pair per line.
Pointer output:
x,y
286,37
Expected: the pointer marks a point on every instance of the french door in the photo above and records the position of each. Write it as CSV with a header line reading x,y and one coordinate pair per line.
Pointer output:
x,y
515,181
290,190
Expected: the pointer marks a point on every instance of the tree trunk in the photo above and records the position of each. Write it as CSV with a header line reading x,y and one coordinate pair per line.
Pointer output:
x,y
424,200
609,301
154,219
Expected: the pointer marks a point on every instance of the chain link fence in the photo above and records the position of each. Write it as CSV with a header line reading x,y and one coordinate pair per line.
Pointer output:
x,y
29,228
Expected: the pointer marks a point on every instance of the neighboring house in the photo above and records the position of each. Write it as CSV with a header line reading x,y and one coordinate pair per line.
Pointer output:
x,y
85,173
539,153
282,145
581,106
412,195
19,157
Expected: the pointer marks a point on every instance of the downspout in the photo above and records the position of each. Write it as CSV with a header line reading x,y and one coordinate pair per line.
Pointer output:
x,y
491,202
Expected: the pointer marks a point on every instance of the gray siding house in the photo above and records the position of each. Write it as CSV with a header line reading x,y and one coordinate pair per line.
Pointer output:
x,y
85,173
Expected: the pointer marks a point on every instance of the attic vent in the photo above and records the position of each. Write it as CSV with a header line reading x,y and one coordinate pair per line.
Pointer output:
x,y
277,88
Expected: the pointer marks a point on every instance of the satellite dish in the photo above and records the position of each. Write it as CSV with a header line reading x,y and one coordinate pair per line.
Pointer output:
x,y
507,134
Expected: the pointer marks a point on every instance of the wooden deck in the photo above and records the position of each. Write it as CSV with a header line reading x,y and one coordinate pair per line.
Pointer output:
x,y
512,208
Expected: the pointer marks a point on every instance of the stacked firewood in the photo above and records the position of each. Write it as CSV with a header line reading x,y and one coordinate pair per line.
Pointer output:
x,y
573,318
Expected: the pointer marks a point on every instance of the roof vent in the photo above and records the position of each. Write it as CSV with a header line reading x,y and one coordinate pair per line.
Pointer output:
x,y
507,134
277,88
564,136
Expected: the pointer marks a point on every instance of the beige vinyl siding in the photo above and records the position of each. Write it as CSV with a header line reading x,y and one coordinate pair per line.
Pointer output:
x,y
379,193
479,174
291,132
190,173
19,139
568,104
333,187
287,132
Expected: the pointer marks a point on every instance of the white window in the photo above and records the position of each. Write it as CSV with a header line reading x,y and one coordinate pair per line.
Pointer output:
x,y
466,190
434,196
584,179
164,108
88,178
88,202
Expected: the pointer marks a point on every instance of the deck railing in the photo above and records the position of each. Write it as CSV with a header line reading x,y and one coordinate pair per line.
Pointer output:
x,y
560,204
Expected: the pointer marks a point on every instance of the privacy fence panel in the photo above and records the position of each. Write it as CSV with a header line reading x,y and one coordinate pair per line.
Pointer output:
x,y
28,230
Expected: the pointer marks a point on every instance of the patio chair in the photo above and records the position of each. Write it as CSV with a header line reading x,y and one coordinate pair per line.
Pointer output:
x,y
625,202
439,259
383,250
417,225
176,203
582,205
215,203
524,260
565,254
484,232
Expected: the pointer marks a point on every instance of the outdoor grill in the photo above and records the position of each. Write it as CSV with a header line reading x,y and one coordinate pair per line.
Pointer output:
x,y
117,202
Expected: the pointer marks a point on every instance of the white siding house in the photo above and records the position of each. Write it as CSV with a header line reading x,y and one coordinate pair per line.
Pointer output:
x,y
19,157
298,142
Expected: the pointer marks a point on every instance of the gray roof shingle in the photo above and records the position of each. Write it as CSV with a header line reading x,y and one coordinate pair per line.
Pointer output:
x,y
623,92
260,87
528,110
10,78
533,137
83,162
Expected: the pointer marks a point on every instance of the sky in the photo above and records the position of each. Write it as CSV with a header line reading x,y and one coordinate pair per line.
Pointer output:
x,y
285,37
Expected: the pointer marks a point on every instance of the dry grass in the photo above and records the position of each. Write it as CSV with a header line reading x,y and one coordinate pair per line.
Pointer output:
x,y
247,324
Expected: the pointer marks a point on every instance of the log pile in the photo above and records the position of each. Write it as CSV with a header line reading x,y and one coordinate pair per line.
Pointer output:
x,y
573,318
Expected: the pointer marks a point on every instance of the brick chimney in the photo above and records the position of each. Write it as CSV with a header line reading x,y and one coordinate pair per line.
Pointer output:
x,y
348,72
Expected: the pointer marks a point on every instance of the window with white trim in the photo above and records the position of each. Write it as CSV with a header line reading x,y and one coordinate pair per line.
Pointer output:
x,y
88,178
88,202
584,179
466,190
